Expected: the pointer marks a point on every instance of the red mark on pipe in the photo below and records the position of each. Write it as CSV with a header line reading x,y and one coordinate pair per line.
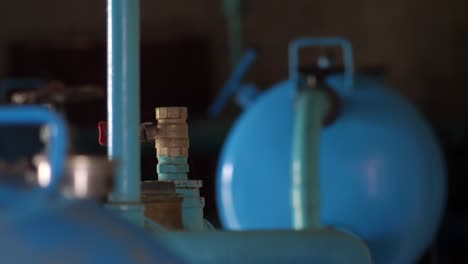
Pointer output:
x,y
103,132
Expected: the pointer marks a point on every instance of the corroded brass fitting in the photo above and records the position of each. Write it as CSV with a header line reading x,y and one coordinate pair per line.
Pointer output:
x,y
171,139
162,204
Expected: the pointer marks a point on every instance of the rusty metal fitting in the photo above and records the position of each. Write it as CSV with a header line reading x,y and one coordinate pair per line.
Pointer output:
x,y
85,177
162,204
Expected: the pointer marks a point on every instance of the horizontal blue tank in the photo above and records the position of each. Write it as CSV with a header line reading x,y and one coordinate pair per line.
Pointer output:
x,y
37,228
382,174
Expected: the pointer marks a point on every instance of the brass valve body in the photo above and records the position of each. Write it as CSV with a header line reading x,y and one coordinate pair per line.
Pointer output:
x,y
171,139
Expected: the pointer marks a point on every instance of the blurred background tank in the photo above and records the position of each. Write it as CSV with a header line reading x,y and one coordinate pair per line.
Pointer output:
x,y
382,174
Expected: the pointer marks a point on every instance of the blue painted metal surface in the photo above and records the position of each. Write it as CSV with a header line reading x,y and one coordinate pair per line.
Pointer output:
x,y
247,94
176,169
124,95
40,228
26,142
29,144
310,246
382,174
234,82
305,191
123,69
345,45
31,115
37,229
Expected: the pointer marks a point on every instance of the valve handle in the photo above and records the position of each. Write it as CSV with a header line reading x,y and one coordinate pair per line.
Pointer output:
x,y
103,133
148,131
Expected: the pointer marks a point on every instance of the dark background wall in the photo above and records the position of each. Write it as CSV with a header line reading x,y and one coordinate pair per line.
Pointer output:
x,y
422,43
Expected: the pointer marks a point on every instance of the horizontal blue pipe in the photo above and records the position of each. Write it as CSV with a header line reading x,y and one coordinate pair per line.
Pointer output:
x,y
36,115
311,246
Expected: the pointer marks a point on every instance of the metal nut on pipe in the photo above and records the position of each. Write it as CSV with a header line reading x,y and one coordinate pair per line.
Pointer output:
x,y
172,132
172,152
171,113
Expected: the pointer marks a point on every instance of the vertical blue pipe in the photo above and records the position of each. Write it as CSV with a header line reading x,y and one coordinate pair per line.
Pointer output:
x,y
305,173
233,13
123,103
312,104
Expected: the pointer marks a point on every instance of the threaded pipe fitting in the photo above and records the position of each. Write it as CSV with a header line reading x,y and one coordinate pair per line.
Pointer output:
x,y
172,138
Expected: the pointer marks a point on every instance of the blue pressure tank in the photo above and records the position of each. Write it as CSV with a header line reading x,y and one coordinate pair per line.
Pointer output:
x,y
382,174
38,228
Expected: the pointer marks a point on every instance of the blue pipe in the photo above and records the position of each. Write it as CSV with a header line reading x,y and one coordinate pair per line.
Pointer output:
x,y
310,42
308,246
233,13
311,106
305,192
234,82
123,103
35,115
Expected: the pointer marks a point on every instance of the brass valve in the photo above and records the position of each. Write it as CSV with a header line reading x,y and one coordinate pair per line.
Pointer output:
x,y
171,137
170,133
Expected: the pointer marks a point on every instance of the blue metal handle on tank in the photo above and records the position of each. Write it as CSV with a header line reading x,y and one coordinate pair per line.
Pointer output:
x,y
345,45
246,94
57,148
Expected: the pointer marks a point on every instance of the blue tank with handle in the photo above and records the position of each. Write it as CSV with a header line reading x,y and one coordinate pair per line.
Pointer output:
x,y
382,174
39,226
28,144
